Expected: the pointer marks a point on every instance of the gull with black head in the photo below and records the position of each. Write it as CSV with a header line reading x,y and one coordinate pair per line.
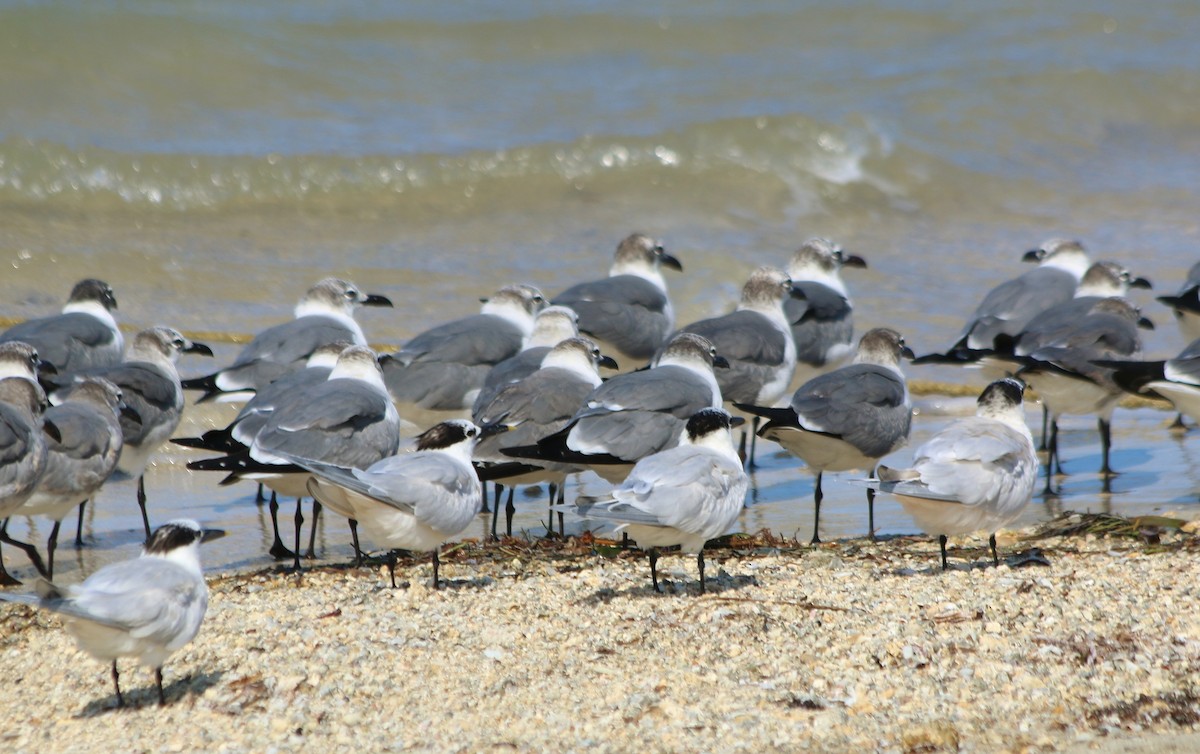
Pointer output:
x,y
83,336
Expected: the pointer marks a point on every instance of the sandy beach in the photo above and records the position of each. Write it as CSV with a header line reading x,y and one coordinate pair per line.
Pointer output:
x,y
563,646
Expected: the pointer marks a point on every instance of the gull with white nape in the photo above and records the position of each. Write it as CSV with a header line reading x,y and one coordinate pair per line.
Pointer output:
x,y
628,314
83,336
757,342
977,473
636,413
439,373
848,418
537,406
822,318
147,608
149,384
348,420
685,495
80,459
553,325
325,314
411,501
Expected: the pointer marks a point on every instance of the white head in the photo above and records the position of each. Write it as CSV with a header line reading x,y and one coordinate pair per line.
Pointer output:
x,y
644,257
179,541
766,290
883,346
1108,279
518,304
579,356
337,296
820,260
1060,253
358,363
553,325
19,359
327,355
163,345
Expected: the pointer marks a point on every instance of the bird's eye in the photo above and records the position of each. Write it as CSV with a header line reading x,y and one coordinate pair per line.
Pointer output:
x,y
351,294
177,343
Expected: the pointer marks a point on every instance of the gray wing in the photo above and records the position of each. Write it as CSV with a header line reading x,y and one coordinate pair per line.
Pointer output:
x,y
1012,305
754,347
22,458
344,422
628,435
974,460
479,339
435,385
821,321
284,392
282,349
85,453
864,404
541,404
150,597
148,390
1054,325
626,311
670,389
71,342
512,369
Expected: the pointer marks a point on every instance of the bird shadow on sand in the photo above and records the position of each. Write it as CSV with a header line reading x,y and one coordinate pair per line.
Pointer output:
x,y
1031,557
146,695
719,584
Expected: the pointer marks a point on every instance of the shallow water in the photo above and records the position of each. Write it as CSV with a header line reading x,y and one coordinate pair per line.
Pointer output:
x,y
212,160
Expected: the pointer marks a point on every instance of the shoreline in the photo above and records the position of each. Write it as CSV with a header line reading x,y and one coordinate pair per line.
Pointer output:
x,y
536,645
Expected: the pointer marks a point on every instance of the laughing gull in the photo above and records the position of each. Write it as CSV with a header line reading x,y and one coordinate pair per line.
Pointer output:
x,y
628,313
410,501
848,418
1066,377
683,496
324,315
637,413
443,369
83,455
553,325
1009,307
347,420
1176,379
977,473
1185,304
756,340
149,384
22,456
537,406
83,336
240,433
147,608
822,320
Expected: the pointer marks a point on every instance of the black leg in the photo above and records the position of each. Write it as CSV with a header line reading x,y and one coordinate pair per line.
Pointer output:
x,y
499,488
742,454
509,511
562,499
871,508
1051,457
436,562
6,578
117,684
754,440
29,550
1105,446
392,566
1045,425
312,533
358,554
51,546
278,550
654,568
299,525
141,498
700,565
162,697
483,503
942,544
995,557
260,496
79,526
1058,469
817,495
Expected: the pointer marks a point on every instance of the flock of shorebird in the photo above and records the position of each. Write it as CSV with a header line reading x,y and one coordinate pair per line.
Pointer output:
x,y
325,417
